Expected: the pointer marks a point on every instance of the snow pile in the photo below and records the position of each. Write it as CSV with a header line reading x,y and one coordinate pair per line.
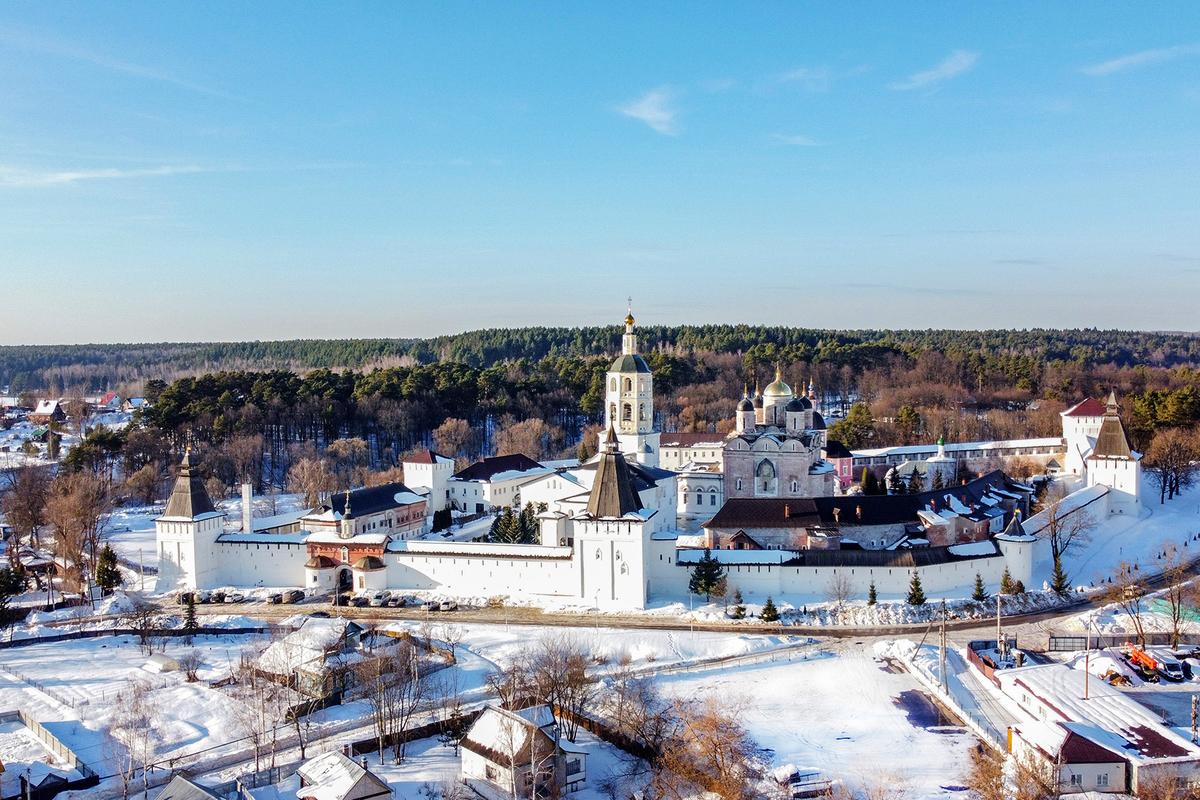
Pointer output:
x,y
1102,664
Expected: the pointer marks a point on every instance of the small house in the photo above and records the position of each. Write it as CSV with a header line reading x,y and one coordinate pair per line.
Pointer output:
x,y
333,776
48,411
182,787
317,658
520,754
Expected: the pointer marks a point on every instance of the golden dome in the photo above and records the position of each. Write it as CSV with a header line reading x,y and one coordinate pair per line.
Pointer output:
x,y
777,388
629,319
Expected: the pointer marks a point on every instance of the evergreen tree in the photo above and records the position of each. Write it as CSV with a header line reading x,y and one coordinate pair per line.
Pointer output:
x,y
916,595
1059,581
937,482
1006,582
506,528
908,424
857,429
769,612
528,524
872,597
739,607
189,617
980,594
916,483
1018,587
108,577
12,583
895,484
707,575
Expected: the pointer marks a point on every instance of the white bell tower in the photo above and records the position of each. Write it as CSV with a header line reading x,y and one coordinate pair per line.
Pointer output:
x,y
629,401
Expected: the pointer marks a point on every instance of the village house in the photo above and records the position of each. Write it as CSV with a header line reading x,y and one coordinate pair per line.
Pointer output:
x,y
48,411
520,754
182,787
334,776
317,658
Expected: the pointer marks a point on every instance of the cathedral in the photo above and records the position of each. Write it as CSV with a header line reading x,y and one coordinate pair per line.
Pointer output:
x,y
629,402
776,447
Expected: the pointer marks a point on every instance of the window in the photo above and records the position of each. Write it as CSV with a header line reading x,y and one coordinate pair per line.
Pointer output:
x,y
1102,779
739,484
612,411
612,385
712,499
699,498
573,766
627,412
1076,780
628,385
490,772
642,412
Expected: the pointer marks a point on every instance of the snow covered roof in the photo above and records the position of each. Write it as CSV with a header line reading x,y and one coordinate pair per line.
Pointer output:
x,y
334,776
332,537
1108,716
182,787
276,520
501,468
264,537
1072,502
476,549
306,646
500,735
46,407
931,449
427,457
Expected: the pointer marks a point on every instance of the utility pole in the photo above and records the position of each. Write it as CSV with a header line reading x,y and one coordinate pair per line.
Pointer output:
x,y
1195,714
999,633
945,683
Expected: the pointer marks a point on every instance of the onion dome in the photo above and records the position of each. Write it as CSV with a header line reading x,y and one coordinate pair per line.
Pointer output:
x,y
320,562
777,388
745,405
795,404
629,320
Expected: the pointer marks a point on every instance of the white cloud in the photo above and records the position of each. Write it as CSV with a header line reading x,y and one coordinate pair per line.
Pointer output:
x,y
796,140
1141,59
812,79
954,64
655,108
24,178
24,39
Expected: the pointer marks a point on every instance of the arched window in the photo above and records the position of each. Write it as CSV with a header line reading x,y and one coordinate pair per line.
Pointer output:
x,y
795,486
612,385
699,498
612,411
345,555
627,412
628,385
642,412
765,478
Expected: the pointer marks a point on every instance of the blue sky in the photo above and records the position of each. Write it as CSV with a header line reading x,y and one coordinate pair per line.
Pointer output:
x,y
188,171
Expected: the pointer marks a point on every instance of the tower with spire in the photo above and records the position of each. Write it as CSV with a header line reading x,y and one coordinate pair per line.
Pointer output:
x,y
1113,463
629,400
186,534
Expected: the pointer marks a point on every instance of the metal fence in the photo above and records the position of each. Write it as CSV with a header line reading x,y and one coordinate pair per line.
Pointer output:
x,y
1061,643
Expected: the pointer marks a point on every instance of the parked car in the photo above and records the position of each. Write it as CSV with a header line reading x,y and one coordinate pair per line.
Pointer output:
x,y
218,596
204,597
447,605
1168,666
358,601
377,599
184,597
397,601
431,605
293,595
235,597
275,598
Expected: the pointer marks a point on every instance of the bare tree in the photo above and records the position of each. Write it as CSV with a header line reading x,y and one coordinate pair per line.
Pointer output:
x,y
77,507
1170,460
130,726
452,635
1179,593
1066,529
454,437
312,478
985,774
711,751
24,506
560,675
1127,593
411,690
1034,778
840,590
143,618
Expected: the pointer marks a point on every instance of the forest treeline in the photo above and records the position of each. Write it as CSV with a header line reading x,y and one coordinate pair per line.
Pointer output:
x,y
97,367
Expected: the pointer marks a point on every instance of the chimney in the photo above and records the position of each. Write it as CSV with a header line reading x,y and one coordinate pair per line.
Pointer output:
x,y
787,511
364,763
247,508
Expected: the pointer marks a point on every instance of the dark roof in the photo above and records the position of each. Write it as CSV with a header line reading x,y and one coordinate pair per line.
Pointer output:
x,y
630,363
818,421
745,404
612,494
188,498
1111,441
765,512
369,500
1087,408
368,563
769,512
320,562
485,469
688,439
182,787
800,403
835,449
1077,748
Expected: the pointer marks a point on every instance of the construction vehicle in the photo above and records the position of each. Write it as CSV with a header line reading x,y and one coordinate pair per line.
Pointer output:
x,y
1142,663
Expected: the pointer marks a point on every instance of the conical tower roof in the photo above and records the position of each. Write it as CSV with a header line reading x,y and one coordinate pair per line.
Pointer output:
x,y
189,499
612,492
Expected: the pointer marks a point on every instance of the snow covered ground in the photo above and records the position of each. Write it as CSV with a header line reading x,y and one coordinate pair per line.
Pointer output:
x,y
841,712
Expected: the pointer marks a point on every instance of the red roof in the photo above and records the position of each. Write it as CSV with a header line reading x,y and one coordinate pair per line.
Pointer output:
x,y
689,439
1088,408
425,457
